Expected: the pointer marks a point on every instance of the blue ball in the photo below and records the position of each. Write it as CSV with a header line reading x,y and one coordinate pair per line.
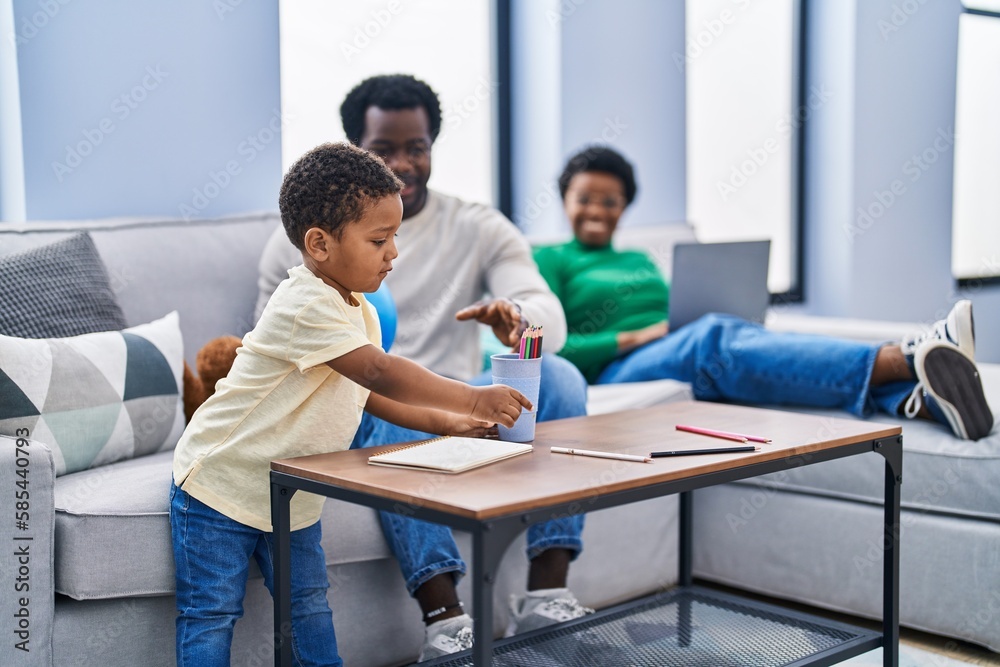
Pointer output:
x,y
381,300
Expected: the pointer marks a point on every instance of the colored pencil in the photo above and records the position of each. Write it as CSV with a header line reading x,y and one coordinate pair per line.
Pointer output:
x,y
601,455
708,431
714,450
531,343
725,435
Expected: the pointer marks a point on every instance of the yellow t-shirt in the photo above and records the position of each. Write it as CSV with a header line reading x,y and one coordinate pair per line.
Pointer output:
x,y
279,400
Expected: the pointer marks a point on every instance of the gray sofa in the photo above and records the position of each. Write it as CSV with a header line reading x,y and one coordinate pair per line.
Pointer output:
x,y
101,572
101,568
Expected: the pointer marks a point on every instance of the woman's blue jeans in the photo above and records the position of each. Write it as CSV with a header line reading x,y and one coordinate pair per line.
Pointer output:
x,y
727,358
425,549
212,557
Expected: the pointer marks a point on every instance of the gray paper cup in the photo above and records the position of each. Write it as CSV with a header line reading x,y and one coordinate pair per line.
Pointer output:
x,y
525,375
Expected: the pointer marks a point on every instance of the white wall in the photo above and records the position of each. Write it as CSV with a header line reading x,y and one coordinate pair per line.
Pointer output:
x,y
140,108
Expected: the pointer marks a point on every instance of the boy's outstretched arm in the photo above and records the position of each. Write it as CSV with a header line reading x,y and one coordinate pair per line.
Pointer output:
x,y
430,420
406,382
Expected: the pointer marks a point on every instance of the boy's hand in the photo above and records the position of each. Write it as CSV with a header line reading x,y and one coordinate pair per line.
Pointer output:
x,y
501,314
468,427
498,404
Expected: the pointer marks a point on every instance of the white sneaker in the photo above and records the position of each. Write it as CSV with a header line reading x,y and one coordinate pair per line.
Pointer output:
x,y
948,383
446,637
957,328
538,609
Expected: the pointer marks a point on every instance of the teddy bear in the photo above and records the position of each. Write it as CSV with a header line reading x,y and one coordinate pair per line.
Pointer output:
x,y
212,363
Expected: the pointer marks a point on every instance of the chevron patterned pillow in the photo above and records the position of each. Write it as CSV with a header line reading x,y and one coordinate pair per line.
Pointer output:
x,y
96,398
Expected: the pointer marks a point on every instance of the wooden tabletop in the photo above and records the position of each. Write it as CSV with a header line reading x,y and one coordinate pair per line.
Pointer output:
x,y
542,478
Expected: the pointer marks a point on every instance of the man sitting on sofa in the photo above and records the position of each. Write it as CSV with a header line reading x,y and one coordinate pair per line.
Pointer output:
x,y
451,253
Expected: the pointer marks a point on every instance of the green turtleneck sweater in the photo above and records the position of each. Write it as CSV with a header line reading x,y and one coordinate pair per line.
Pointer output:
x,y
603,291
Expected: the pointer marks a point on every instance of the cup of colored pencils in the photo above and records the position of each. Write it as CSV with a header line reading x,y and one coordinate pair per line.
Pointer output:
x,y
522,371
531,343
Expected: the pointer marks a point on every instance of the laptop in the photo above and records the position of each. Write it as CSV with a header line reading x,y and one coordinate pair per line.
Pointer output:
x,y
719,278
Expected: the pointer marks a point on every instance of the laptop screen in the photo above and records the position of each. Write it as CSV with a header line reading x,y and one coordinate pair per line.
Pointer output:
x,y
719,278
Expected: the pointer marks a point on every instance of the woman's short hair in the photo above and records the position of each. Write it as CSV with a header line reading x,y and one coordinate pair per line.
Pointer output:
x,y
599,158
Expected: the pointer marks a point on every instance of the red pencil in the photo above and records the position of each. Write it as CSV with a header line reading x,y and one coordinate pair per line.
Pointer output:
x,y
725,435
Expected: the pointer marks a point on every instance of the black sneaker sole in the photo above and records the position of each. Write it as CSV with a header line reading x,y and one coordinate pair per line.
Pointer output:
x,y
952,380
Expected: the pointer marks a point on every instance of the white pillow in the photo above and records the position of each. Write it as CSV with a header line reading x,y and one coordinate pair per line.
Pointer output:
x,y
96,398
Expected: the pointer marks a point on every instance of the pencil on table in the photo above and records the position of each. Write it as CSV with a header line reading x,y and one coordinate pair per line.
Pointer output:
x,y
725,435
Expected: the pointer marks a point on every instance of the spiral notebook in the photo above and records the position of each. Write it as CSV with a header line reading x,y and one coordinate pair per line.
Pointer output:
x,y
449,454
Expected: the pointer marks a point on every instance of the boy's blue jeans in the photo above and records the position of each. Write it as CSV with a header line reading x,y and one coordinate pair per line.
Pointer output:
x,y
212,557
424,549
728,358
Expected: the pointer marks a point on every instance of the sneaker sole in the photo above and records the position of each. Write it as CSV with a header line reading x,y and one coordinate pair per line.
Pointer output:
x,y
965,334
952,380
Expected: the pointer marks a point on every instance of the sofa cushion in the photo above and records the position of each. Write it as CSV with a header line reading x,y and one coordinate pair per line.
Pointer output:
x,y
604,398
96,398
59,289
206,270
941,474
122,512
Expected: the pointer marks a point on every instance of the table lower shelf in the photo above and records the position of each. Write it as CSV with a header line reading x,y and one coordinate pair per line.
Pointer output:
x,y
683,627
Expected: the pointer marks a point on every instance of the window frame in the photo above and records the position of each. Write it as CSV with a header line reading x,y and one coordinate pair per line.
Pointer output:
x,y
979,281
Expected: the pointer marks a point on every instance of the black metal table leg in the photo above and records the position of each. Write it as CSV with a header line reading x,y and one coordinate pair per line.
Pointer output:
x,y
684,548
892,450
281,496
488,546
685,565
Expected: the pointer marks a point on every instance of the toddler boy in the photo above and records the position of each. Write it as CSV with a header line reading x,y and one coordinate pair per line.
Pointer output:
x,y
298,386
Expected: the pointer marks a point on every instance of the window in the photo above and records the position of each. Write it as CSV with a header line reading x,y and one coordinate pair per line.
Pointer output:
x,y
329,47
744,115
976,198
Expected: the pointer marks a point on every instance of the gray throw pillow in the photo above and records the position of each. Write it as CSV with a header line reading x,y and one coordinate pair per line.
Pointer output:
x,y
56,290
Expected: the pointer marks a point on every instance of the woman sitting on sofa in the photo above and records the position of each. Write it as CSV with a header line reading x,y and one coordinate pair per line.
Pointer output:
x,y
616,309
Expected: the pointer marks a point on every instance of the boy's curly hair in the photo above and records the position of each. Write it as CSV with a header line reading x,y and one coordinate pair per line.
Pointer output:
x,y
331,186
390,92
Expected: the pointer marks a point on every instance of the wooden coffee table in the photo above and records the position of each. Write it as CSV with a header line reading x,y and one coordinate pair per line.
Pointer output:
x,y
496,502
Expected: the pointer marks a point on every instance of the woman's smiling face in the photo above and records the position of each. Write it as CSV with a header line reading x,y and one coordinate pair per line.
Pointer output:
x,y
594,202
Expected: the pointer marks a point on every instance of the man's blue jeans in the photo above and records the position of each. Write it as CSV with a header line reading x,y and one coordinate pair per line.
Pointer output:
x,y
728,358
424,549
212,557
